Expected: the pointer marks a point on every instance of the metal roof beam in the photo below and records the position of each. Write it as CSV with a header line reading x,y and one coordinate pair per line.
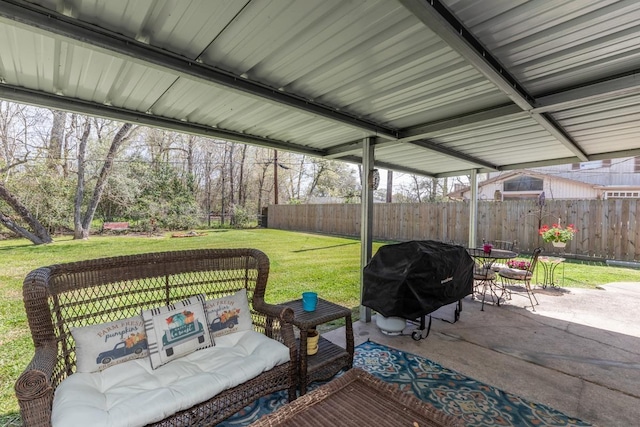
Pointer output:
x,y
388,166
552,162
442,22
432,146
634,152
343,149
29,14
509,167
616,87
515,166
42,99
471,120
542,163
423,143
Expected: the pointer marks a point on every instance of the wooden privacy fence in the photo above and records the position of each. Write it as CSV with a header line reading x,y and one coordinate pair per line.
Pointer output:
x,y
608,229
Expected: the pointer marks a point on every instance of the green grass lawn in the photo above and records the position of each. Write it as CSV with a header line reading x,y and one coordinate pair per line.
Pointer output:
x,y
299,261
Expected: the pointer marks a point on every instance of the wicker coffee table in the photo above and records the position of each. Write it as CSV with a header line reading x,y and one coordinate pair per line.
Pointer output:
x,y
358,398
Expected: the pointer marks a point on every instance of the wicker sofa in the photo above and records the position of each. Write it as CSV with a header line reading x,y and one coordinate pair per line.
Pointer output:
x,y
64,296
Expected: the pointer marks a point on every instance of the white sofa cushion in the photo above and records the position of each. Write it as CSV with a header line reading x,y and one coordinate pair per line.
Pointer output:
x,y
133,394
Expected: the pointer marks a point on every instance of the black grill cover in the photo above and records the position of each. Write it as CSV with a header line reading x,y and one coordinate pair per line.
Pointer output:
x,y
414,278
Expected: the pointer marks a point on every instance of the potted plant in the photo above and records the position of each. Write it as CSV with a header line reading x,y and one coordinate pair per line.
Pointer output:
x,y
518,264
557,235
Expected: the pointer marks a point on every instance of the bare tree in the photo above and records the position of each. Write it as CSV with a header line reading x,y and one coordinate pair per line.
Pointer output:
x,y
39,235
56,138
82,225
318,168
15,152
78,229
263,163
242,185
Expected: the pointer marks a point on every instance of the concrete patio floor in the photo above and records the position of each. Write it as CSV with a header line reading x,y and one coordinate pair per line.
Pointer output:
x,y
579,352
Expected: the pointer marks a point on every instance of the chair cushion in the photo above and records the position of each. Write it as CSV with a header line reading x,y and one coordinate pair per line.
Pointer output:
x,y
133,394
514,273
482,274
497,266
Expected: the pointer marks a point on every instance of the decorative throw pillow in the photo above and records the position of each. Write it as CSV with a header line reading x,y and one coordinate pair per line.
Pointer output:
x,y
228,314
101,346
176,330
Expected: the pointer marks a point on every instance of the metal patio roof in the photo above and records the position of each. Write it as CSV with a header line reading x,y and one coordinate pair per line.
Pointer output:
x,y
444,87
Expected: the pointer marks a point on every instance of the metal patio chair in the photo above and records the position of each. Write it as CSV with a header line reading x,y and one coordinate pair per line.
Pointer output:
x,y
513,275
507,245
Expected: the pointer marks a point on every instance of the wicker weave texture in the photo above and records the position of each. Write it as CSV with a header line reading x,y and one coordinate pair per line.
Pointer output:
x,y
357,399
63,296
330,358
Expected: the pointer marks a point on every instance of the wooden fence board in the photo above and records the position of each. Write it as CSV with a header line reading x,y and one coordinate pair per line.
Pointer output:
x,y
608,229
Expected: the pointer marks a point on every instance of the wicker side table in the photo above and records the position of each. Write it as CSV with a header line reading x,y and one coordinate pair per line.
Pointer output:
x,y
330,358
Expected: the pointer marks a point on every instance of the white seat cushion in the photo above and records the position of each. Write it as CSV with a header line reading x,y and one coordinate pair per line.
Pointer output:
x,y
132,394
480,273
497,266
514,273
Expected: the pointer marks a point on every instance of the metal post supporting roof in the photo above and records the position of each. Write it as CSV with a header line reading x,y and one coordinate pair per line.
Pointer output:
x,y
366,223
473,209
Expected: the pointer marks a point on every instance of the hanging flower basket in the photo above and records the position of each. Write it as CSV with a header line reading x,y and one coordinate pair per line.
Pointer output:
x,y
557,235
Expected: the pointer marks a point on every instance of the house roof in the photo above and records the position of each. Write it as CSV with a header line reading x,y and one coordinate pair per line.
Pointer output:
x,y
508,175
442,86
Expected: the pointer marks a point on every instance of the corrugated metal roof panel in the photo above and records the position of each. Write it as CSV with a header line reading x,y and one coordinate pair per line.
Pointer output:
x,y
31,70
598,127
185,27
214,106
506,142
549,45
373,59
374,67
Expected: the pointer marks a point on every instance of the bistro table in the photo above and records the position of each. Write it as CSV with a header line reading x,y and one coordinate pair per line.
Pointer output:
x,y
484,274
549,265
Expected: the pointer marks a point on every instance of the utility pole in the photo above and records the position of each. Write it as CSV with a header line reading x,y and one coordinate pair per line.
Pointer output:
x,y
275,176
389,186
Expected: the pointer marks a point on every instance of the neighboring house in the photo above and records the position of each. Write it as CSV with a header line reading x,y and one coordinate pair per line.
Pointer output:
x,y
602,179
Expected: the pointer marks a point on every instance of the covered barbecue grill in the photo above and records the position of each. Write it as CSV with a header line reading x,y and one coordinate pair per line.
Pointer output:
x,y
415,278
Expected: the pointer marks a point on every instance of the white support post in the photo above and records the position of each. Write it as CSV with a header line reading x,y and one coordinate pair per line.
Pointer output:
x,y
366,223
473,209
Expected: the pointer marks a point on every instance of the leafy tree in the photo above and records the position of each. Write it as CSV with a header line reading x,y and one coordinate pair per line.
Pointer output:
x,y
165,200
332,178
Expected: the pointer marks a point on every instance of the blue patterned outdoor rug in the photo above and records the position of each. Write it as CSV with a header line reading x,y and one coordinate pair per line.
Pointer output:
x,y
476,403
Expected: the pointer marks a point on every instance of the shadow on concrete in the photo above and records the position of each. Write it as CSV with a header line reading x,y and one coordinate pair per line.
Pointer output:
x,y
579,352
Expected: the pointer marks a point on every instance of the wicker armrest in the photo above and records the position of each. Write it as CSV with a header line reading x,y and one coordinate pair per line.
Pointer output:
x,y
284,315
34,388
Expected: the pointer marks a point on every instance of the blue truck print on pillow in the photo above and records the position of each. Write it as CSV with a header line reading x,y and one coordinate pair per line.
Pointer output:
x,y
182,327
